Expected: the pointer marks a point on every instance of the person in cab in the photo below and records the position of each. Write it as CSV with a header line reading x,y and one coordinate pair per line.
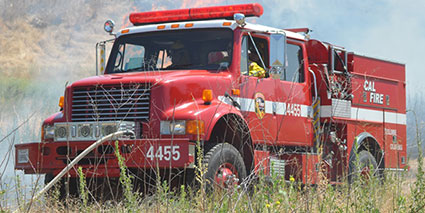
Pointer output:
x,y
255,69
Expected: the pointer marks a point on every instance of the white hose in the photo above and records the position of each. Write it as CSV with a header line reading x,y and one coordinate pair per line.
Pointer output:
x,y
76,160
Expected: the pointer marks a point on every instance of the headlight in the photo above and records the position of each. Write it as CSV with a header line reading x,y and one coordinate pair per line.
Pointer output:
x,y
48,132
87,131
61,131
170,127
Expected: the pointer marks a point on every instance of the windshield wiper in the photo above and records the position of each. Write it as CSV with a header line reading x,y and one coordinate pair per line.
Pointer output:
x,y
180,66
134,69
224,66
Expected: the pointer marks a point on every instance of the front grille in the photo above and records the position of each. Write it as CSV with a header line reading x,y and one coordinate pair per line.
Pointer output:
x,y
111,103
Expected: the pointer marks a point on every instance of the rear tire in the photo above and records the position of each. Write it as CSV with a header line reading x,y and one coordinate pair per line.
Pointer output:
x,y
364,167
225,166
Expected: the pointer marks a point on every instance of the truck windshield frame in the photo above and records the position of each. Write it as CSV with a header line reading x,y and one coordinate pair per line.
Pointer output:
x,y
189,49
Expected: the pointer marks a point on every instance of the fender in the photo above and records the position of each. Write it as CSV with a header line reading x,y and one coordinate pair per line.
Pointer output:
x,y
56,117
359,140
210,113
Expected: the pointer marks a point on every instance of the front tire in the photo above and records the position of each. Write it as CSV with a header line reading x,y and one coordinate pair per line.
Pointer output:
x,y
65,187
225,166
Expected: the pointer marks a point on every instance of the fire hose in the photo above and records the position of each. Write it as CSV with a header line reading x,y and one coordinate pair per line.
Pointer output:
x,y
76,160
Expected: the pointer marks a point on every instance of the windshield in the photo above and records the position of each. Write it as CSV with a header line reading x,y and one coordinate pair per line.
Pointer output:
x,y
208,49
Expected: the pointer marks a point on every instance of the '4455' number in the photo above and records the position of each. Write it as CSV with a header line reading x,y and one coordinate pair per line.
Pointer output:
x,y
163,153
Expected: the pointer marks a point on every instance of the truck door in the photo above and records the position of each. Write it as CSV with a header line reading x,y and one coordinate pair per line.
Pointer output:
x,y
257,93
294,98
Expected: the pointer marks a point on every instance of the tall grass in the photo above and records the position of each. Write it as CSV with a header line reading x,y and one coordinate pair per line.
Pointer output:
x,y
281,196
396,193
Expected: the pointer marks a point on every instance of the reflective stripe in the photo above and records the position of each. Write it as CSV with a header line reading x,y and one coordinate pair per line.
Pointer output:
x,y
369,115
248,105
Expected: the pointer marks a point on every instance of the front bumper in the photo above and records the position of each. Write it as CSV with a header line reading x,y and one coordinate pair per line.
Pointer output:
x,y
42,158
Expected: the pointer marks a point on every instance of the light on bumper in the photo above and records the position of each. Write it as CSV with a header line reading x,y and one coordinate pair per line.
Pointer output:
x,y
181,127
87,131
47,132
195,127
23,155
170,127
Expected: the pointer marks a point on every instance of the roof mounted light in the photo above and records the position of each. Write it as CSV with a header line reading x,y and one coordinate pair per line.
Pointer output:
x,y
109,26
240,19
203,13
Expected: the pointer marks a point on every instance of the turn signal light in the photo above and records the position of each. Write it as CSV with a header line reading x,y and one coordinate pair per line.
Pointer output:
x,y
195,127
207,96
61,102
42,132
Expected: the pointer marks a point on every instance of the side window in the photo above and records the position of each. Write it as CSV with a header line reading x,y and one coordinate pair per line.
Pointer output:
x,y
294,64
251,60
131,57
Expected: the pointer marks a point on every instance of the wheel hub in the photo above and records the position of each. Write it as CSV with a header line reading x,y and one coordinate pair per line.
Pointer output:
x,y
226,176
365,173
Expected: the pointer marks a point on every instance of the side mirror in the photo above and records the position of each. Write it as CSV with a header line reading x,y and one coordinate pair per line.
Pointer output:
x,y
277,54
109,26
240,19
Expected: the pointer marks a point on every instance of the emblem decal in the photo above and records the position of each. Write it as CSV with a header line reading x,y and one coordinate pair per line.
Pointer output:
x,y
260,105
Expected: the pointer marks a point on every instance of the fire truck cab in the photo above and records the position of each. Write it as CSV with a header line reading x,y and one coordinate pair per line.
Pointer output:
x,y
255,99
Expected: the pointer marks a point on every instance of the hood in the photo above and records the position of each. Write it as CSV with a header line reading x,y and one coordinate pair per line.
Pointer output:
x,y
148,77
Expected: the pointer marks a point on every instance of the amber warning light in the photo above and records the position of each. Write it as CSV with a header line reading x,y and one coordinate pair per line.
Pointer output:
x,y
203,13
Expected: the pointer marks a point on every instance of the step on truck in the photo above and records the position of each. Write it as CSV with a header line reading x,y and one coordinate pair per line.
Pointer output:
x,y
249,98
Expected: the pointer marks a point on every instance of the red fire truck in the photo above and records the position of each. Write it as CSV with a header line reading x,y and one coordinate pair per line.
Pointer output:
x,y
255,99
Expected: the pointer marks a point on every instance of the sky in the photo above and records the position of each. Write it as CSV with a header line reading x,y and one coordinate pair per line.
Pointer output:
x,y
391,30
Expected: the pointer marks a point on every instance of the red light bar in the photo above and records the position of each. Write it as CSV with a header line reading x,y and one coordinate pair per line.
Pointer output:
x,y
202,13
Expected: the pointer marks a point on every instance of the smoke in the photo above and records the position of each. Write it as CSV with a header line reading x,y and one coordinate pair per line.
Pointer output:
x,y
56,34
44,44
384,29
